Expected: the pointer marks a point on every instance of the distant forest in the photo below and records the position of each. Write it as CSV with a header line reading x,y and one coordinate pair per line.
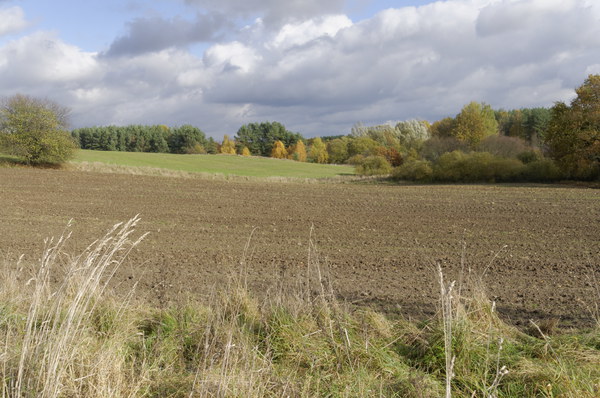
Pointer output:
x,y
478,144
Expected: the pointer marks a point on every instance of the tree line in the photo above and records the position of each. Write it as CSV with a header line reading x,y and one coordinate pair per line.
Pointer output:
x,y
140,138
479,143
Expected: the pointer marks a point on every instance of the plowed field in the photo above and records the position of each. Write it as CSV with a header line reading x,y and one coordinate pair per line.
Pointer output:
x,y
378,243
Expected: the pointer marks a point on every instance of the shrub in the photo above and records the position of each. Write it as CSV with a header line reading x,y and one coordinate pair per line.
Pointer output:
x,y
35,130
414,170
477,167
503,146
529,156
543,170
435,147
356,160
392,155
374,165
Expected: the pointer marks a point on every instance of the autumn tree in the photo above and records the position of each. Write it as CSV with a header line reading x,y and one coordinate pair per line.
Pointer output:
x,y
362,146
443,127
338,150
297,151
318,151
228,146
474,122
245,151
573,134
278,151
35,130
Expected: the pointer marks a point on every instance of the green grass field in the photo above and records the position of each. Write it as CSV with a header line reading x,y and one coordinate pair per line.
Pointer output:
x,y
221,164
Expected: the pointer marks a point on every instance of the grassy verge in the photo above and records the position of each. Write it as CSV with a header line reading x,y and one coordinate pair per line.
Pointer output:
x,y
216,164
73,338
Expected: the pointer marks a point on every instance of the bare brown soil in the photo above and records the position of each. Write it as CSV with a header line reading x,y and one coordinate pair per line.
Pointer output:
x,y
378,243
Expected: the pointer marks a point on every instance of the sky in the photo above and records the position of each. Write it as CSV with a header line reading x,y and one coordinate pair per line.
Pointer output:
x,y
317,66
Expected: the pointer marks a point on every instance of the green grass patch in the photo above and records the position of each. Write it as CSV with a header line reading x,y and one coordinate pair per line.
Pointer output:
x,y
216,164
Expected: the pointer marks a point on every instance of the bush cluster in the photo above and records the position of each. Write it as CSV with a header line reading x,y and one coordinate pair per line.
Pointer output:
x,y
458,166
374,165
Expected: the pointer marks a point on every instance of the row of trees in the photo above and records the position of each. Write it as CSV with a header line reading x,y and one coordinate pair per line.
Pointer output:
x,y
36,131
269,139
255,138
139,138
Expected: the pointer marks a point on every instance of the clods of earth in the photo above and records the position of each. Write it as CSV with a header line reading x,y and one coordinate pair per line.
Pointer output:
x,y
535,248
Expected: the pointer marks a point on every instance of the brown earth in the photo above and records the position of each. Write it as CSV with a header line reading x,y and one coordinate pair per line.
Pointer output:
x,y
378,243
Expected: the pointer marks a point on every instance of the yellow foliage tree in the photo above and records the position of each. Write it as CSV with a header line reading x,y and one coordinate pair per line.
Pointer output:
x,y
297,152
278,151
475,122
318,151
228,146
246,151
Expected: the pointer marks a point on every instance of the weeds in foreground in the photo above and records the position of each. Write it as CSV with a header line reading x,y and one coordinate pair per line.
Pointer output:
x,y
76,339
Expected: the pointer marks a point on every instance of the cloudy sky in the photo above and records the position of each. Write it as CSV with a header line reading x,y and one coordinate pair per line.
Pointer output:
x,y
317,66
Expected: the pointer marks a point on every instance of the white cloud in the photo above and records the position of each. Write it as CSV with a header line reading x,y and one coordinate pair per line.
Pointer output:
x,y
41,60
321,73
294,34
233,56
12,20
424,62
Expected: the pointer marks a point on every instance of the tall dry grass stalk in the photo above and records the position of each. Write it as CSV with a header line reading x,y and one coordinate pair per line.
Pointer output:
x,y
448,318
54,342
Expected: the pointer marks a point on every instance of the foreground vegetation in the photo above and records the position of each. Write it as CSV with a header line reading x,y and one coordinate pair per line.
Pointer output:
x,y
73,338
223,164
